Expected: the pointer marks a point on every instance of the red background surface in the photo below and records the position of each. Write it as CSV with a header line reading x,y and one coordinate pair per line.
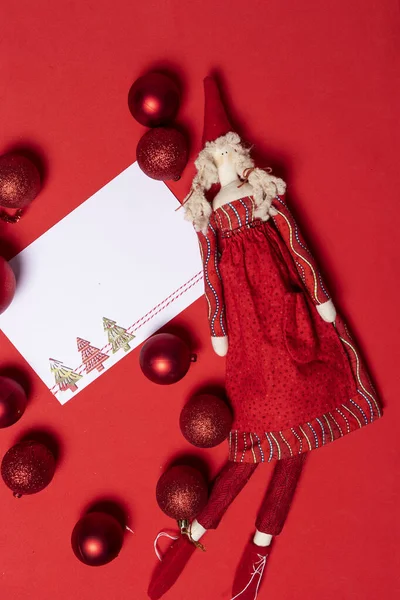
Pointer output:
x,y
315,86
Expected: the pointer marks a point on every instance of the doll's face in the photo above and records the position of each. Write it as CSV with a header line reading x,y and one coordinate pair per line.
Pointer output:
x,y
224,156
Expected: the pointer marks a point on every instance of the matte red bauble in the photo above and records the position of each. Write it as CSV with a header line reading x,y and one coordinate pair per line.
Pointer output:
x,y
27,468
181,492
154,99
205,421
162,153
19,181
12,402
165,358
97,539
7,285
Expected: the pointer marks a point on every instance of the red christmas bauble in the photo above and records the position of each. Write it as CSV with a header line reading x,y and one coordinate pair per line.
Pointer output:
x,y
12,402
162,153
165,358
97,539
19,181
205,421
7,285
27,468
181,492
154,99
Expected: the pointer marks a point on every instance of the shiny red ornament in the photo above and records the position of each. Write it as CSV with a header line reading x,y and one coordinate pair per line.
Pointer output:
x,y
162,153
205,421
19,181
154,99
27,468
97,539
165,358
12,402
7,285
182,492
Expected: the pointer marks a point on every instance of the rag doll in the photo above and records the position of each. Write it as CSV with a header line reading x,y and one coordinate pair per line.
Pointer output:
x,y
294,376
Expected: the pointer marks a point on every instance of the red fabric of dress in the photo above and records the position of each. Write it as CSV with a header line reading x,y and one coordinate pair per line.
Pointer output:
x,y
294,381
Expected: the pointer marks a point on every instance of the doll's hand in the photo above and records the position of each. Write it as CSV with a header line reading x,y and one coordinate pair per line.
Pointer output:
x,y
220,345
327,311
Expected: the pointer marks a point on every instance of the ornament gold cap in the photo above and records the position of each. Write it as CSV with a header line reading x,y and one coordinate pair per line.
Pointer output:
x,y
7,218
186,529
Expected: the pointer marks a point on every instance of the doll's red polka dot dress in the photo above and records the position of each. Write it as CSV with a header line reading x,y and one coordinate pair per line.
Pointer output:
x,y
294,381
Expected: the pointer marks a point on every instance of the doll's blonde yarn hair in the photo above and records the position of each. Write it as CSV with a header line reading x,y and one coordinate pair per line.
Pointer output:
x,y
265,186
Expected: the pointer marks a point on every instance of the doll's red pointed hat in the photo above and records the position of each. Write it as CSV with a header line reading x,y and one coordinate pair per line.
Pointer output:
x,y
216,122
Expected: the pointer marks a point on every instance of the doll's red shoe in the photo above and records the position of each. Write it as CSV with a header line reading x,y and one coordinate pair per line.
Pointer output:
x,y
172,565
250,572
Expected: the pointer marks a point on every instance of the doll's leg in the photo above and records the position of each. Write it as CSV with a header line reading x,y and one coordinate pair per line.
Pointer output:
x,y
270,521
229,483
277,501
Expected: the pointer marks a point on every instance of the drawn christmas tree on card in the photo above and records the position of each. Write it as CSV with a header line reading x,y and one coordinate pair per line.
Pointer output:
x,y
118,337
92,357
65,377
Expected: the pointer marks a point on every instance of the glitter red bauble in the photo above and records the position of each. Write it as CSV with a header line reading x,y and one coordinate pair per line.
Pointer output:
x,y
162,153
154,99
181,492
7,285
97,539
27,468
19,181
205,421
12,402
165,358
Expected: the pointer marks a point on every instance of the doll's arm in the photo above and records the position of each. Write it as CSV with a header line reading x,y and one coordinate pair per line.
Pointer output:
x,y
213,290
304,261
